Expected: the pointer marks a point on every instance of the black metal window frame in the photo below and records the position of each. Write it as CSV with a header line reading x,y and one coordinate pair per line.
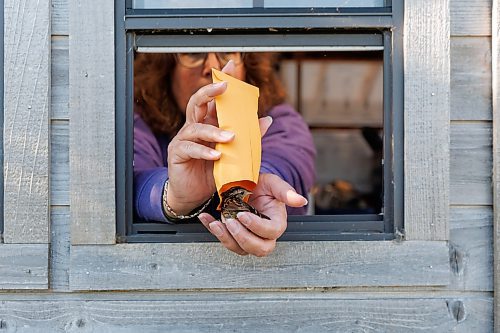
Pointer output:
x,y
263,28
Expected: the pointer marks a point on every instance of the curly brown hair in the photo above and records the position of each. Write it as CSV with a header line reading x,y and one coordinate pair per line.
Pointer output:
x,y
155,101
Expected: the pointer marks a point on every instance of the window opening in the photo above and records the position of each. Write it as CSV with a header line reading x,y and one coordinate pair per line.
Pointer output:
x,y
351,203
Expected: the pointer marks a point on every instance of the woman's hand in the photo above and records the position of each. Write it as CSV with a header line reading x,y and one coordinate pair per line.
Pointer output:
x,y
250,234
191,152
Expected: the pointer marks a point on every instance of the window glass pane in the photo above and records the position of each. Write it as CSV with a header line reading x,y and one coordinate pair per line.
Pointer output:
x,y
172,4
324,3
339,95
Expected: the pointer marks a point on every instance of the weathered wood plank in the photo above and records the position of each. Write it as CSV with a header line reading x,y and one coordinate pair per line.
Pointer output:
x,y
470,17
24,266
256,313
26,121
341,92
496,155
59,163
92,114
60,78
426,119
60,17
471,164
59,248
471,248
471,78
293,264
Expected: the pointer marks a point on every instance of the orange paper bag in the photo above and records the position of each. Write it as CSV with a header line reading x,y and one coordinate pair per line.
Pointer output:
x,y
237,109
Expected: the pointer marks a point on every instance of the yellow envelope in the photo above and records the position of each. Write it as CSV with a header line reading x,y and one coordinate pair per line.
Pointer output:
x,y
237,109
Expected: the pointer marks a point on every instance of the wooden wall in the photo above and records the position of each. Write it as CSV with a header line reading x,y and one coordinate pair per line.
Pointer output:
x,y
465,305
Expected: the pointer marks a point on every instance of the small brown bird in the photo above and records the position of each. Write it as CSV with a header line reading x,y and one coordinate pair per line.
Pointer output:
x,y
232,203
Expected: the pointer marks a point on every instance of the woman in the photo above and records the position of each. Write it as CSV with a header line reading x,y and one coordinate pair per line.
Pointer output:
x,y
175,132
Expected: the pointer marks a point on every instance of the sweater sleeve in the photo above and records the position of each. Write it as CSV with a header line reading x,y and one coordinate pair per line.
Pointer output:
x,y
150,173
288,151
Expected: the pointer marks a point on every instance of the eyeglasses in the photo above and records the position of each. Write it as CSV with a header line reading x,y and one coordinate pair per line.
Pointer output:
x,y
193,60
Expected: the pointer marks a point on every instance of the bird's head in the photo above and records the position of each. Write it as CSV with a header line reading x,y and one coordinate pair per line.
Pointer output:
x,y
238,192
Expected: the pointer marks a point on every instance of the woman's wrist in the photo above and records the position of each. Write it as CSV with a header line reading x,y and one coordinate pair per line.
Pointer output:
x,y
180,212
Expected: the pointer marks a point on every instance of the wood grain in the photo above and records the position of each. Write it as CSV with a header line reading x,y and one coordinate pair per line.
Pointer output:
x,y
26,121
60,248
92,125
471,163
496,155
277,312
60,78
426,119
24,266
59,163
293,264
471,78
470,17
60,17
471,248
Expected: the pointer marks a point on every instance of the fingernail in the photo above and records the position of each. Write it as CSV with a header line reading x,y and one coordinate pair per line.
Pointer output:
x,y
215,153
226,135
215,229
202,218
269,120
243,218
232,226
219,84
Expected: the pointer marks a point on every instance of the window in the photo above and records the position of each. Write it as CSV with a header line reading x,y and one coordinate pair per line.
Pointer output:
x,y
423,255
344,33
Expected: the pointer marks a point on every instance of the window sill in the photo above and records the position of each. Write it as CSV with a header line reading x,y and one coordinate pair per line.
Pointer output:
x,y
293,265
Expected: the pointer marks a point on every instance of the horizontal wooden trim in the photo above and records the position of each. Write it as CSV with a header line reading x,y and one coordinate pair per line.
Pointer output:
x,y
277,312
293,264
471,162
470,18
24,266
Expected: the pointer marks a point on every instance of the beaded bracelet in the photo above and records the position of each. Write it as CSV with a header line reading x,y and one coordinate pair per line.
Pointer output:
x,y
177,217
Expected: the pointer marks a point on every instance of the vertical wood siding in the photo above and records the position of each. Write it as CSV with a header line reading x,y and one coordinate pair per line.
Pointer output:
x,y
92,141
26,121
427,114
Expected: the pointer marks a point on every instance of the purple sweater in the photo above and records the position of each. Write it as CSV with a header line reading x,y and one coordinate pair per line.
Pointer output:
x,y
287,151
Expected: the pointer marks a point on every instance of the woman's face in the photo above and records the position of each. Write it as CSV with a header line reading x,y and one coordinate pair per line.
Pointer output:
x,y
186,81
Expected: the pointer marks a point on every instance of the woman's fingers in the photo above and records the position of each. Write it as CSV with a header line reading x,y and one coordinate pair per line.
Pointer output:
x,y
204,132
197,109
268,229
229,68
264,124
182,151
237,238
218,229
190,142
211,116
249,242
275,186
